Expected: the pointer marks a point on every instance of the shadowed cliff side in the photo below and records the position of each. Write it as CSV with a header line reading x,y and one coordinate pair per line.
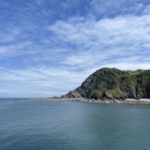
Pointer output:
x,y
112,83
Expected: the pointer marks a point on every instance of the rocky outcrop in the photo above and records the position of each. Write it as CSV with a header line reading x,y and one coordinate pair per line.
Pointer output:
x,y
111,83
72,94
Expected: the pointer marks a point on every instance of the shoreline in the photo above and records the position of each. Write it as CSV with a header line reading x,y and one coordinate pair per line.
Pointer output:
x,y
142,101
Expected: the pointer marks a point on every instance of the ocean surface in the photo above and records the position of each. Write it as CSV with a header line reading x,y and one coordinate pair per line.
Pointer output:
x,y
65,125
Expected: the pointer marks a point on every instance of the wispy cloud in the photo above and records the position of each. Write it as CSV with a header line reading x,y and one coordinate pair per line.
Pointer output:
x,y
99,41
48,47
16,49
10,34
48,81
113,8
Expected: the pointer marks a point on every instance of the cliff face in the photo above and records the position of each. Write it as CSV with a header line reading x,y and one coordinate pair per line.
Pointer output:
x,y
111,83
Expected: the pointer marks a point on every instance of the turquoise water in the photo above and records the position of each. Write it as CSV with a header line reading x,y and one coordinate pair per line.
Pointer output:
x,y
66,125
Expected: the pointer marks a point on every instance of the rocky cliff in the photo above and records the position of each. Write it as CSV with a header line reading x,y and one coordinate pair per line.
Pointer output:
x,y
111,83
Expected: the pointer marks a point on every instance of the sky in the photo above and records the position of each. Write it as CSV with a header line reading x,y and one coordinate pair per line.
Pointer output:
x,y
49,47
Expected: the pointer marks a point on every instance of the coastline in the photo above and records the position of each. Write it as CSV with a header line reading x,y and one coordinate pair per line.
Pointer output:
x,y
142,101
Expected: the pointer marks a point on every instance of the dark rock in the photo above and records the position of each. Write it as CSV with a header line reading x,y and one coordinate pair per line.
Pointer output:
x,y
111,83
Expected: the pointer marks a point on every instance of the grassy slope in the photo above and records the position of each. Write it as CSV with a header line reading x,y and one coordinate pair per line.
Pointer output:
x,y
109,83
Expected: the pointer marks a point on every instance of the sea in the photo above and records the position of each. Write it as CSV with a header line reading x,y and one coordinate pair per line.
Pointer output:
x,y
27,124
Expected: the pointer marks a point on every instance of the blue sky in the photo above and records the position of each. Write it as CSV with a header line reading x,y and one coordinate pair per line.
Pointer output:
x,y
48,47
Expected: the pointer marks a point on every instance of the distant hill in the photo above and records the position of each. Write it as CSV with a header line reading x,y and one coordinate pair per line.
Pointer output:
x,y
112,83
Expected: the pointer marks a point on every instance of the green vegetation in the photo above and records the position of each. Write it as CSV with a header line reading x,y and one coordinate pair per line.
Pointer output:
x,y
112,83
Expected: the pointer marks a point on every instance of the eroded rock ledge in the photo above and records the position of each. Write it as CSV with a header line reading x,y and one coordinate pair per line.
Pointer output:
x,y
126,101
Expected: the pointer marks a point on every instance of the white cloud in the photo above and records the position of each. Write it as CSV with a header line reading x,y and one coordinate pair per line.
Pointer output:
x,y
139,8
45,81
129,66
16,49
147,10
107,39
70,50
101,7
9,34
107,8
105,31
